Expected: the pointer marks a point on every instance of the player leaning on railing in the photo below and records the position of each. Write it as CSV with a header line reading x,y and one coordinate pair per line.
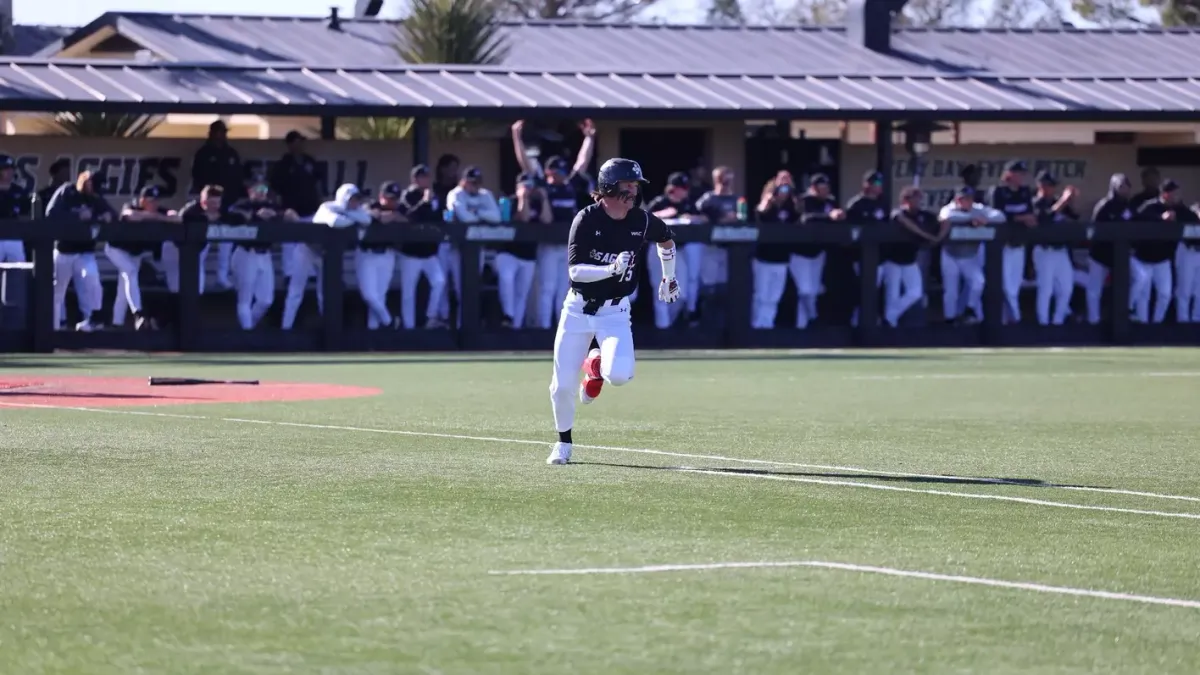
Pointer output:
x,y
602,260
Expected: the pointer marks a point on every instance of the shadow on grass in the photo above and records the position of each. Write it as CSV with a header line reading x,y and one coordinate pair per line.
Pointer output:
x,y
883,478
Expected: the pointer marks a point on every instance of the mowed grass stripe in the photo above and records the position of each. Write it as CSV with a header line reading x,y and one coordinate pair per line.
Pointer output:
x,y
710,472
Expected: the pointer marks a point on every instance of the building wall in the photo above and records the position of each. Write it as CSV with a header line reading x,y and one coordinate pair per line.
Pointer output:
x,y
127,164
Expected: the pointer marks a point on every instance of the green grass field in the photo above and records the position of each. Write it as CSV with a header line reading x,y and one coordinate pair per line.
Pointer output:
x,y
361,535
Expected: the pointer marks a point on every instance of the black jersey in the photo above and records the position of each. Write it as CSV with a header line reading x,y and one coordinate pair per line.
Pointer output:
x,y
597,239
1043,210
15,202
139,247
905,252
1012,202
564,201
246,209
814,209
1149,251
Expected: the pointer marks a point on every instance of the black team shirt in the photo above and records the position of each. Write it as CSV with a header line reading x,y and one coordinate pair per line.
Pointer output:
x,y
777,213
1046,217
597,239
296,182
814,210
564,201
72,202
525,250
905,253
1152,212
1111,209
420,213
246,210
140,247
1012,202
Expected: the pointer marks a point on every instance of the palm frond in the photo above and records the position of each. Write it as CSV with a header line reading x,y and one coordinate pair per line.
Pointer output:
x,y
103,125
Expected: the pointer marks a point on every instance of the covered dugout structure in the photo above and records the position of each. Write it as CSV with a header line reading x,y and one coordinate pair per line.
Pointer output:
x,y
863,72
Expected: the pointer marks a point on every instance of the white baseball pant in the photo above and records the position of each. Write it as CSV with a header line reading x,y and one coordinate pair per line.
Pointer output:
x,y
693,256
1097,274
254,283
770,279
553,281
170,265
224,257
1143,276
903,287
1013,276
1055,279
78,269
12,250
515,281
374,274
666,313
1187,287
958,275
305,264
611,328
411,269
452,267
806,274
129,289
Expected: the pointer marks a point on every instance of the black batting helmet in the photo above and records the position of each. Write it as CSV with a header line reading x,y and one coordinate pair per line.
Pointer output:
x,y
615,171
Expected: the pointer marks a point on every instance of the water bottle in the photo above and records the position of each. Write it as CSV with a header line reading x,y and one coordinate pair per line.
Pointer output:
x,y
743,209
505,210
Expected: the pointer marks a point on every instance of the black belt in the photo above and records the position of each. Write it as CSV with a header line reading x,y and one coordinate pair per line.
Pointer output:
x,y
593,305
255,249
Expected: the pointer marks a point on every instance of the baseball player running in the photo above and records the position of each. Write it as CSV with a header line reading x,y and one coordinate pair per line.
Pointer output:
x,y
253,269
603,263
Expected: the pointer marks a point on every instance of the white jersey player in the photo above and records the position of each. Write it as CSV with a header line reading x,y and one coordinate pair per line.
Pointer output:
x,y
602,261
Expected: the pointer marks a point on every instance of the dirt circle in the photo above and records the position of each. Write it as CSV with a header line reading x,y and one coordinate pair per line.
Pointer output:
x,y
104,392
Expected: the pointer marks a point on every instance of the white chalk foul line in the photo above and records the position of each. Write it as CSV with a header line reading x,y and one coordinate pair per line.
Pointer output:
x,y
866,569
717,458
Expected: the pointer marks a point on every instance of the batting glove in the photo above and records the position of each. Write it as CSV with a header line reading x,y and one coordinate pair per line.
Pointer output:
x,y
621,264
668,290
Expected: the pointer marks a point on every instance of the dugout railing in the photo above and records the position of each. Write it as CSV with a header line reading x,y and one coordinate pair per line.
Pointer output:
x,y
860,243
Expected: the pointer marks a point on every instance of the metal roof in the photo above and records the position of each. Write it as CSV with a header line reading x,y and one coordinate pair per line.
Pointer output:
x,y
289,89
667,49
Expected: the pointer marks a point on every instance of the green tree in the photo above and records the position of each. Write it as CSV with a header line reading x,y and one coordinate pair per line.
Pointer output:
x,y
438,32
106,125
725,12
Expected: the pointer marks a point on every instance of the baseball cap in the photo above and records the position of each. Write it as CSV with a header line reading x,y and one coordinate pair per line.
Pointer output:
x,y
218,126
390,188
873,177
1169,185
150,192
818,179
472,173
293,135
1016,165
965,191
419,170
558,164
60,164
7,162
525,177
1045,177
678,179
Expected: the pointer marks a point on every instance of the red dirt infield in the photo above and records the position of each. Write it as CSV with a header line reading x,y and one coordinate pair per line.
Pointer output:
x,y
106,392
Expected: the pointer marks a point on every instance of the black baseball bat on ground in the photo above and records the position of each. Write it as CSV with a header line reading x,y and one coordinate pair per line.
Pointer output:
x,y
182,381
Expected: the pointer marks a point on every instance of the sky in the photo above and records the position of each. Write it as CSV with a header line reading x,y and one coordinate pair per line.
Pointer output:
x,y
80,12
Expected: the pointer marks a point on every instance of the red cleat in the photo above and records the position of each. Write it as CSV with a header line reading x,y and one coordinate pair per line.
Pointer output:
x,y
592,383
